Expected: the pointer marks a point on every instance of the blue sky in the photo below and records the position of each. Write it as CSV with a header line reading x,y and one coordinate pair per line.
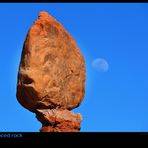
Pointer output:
x,y
115,100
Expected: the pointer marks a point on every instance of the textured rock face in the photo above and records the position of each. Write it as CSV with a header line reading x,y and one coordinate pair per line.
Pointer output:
x,y
52,69
57,120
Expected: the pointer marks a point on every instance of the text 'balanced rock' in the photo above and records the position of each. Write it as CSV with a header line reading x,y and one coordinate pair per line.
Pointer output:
x,y
52,70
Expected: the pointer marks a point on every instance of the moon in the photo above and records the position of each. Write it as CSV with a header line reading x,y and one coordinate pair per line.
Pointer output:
x,y
100,64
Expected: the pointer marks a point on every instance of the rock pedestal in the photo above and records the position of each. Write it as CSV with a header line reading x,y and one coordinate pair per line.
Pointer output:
x,y
58,120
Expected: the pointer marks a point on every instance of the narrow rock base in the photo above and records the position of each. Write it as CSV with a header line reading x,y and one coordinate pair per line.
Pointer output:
x,y
58,120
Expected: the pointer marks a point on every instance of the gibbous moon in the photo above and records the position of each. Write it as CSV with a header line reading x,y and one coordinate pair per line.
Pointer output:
x,y
100,65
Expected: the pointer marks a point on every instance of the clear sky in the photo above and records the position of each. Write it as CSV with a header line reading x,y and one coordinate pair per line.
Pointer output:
x,y
116,98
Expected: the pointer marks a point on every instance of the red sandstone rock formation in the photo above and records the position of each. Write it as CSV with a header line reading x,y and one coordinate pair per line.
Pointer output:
x,y
51,74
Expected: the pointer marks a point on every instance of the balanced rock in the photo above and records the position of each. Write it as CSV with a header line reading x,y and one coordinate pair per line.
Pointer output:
x,y
51,77
52,69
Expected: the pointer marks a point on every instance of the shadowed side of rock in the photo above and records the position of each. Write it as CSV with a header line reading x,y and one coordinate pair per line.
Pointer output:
x,y
57,120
